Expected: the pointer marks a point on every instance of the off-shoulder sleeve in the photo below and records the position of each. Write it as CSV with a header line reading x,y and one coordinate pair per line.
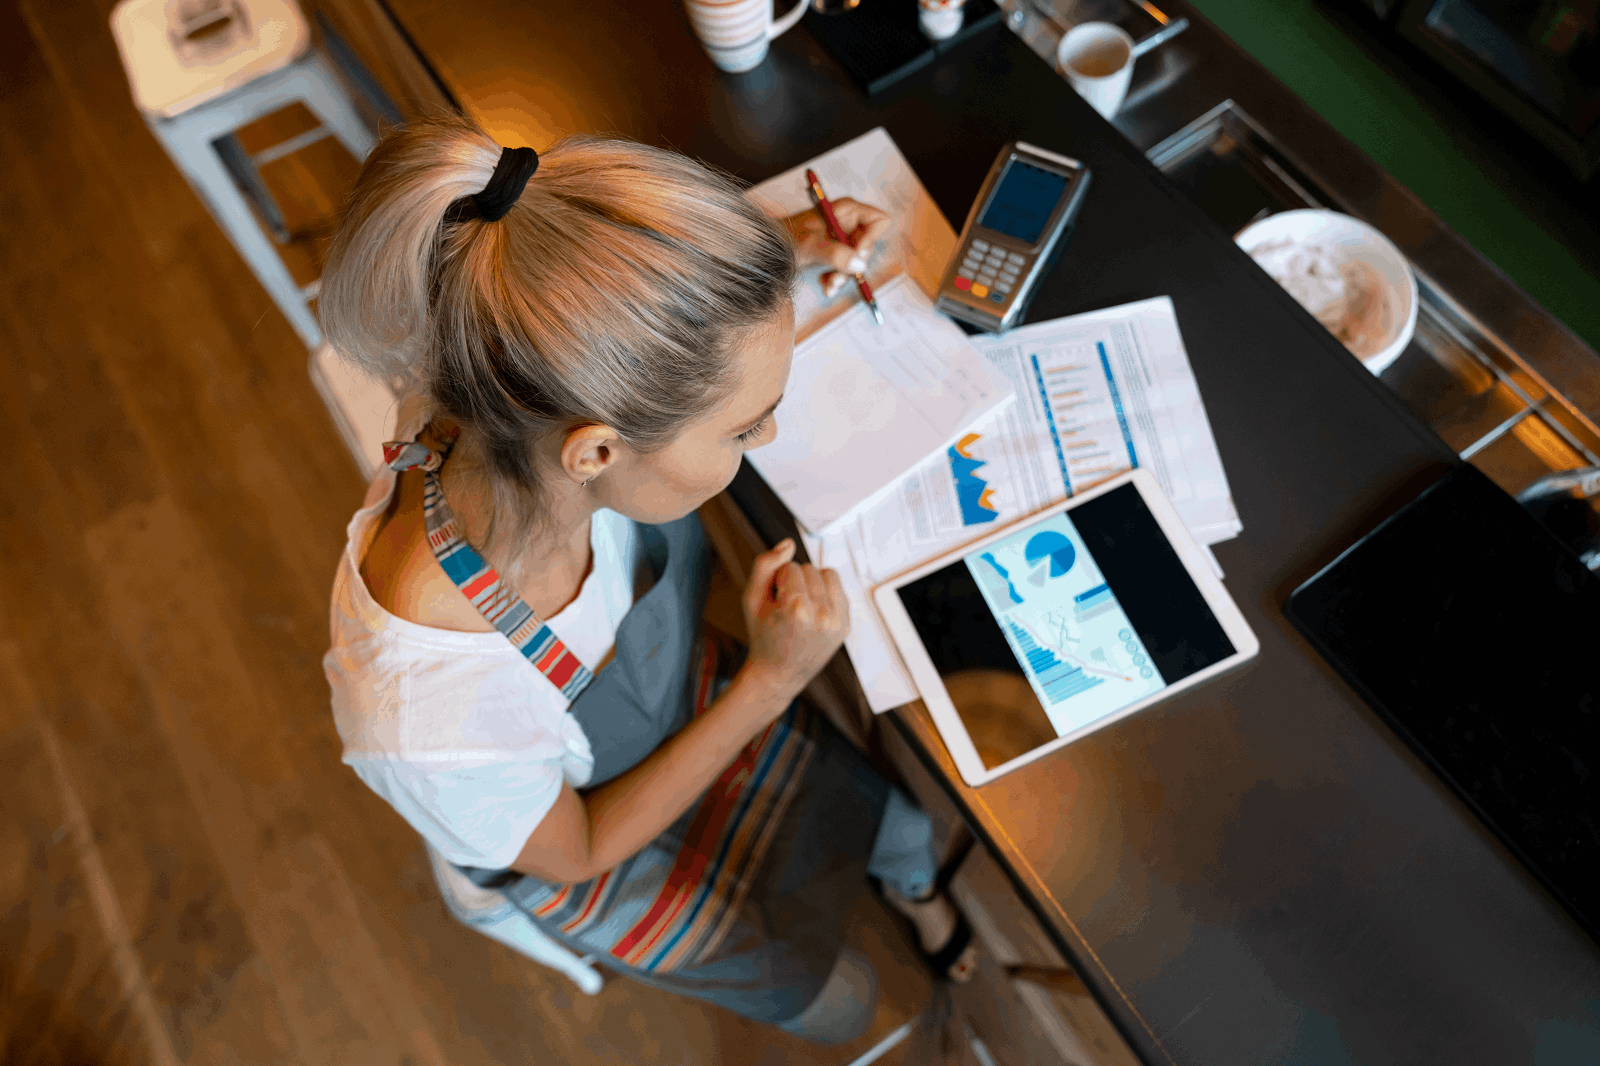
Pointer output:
x,y
468,747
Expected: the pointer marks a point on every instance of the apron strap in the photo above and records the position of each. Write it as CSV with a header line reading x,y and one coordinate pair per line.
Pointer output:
x,y
479,581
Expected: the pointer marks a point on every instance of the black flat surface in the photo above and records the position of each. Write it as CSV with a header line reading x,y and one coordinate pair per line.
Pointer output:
x,y
881,41
1476,635
1258,870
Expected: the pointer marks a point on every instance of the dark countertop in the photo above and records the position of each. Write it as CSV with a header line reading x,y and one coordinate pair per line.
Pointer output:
x,y
1258,871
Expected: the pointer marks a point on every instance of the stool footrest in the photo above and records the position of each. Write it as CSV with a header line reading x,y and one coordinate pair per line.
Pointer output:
x,y
290,146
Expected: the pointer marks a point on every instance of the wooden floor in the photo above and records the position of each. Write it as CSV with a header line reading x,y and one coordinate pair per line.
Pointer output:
x,y
187,872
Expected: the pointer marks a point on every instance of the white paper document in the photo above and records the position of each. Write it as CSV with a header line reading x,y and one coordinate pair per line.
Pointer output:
x,y
870,169
1094,395
865,403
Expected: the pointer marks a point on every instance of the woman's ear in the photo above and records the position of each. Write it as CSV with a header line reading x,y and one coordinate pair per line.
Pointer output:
x,y
587,451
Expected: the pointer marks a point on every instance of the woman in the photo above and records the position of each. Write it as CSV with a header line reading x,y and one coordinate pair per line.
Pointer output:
x,y
595,336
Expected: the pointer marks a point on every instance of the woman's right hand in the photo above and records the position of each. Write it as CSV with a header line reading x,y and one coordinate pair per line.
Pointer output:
x,y
797,617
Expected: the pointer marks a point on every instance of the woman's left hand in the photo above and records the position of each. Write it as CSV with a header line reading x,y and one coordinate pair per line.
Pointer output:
x,y
863,223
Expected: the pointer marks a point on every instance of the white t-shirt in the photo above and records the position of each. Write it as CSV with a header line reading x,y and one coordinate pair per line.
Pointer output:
x,y
456,730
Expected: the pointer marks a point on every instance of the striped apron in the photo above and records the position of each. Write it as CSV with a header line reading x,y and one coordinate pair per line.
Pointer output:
x,y
742,900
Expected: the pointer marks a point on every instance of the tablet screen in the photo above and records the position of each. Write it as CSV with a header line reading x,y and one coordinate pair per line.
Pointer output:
x,y
1062,624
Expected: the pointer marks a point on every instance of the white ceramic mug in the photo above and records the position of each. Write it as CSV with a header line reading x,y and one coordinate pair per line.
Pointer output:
x,y
735,33
1097,59
941,19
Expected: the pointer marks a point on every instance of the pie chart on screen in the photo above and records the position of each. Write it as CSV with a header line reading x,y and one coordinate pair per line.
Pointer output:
x,y
1049,554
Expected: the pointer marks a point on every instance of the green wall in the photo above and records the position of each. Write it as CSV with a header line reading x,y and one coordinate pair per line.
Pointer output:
x,y
1295,40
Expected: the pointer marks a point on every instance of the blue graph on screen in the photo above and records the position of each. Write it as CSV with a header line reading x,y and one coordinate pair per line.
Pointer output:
x,y
1053,546
998,580
1097,601
1059,680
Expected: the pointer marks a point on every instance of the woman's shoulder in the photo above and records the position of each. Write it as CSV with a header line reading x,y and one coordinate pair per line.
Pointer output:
x,y
394,562
402,575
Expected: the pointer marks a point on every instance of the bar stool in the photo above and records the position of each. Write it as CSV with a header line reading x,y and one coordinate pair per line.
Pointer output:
x,y
200,70
489,913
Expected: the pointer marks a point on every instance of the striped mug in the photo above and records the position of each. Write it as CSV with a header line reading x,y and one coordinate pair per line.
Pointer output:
x,y
735,33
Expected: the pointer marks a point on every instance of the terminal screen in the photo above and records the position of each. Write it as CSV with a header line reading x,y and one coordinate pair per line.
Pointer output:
x,y
1062,624
1023,201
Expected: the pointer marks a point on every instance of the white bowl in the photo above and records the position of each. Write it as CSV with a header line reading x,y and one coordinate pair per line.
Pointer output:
x,y
1344,239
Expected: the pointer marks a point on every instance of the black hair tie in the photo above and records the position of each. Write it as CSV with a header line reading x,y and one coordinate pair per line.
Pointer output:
x,y
510,177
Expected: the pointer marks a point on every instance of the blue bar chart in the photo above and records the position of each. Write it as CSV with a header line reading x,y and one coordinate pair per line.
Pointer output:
x,y
1059,680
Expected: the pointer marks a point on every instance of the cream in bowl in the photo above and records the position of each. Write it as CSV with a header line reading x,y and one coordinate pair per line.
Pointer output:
x,y
1350,277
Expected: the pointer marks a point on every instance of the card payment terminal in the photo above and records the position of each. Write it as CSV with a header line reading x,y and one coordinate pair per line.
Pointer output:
x,y
1013,232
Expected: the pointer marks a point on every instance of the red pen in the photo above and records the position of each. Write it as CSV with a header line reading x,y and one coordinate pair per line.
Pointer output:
x,y
836,231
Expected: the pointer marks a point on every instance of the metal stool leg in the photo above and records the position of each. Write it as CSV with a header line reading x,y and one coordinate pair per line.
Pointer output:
x,y
247,176
325,93
200,164
884,1046
357,74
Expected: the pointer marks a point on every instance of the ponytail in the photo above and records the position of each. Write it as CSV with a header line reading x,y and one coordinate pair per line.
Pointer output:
x,y
614,291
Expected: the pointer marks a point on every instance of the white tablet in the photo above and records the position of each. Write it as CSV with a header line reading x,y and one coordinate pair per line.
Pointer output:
x,y
1062,623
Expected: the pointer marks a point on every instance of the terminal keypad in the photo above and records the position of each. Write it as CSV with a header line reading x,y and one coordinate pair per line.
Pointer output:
x,y
988,272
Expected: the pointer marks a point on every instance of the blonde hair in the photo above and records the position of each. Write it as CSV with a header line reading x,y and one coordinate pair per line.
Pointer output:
x,y
615,292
